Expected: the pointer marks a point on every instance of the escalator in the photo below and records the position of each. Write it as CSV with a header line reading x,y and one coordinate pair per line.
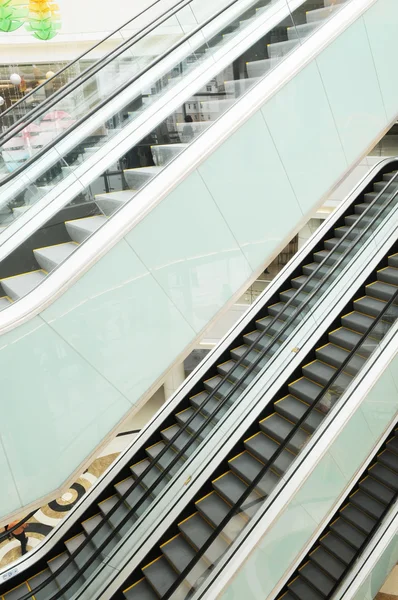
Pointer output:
x,y
42,181
283,430
234,493
350,530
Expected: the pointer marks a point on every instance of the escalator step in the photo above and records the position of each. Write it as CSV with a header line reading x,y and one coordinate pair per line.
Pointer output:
x,y
369,197
183,442
345,338
50,589
18,592
299,297
388,275
336,546
271,325
120,513
381,290
348,533
317,578
369,306
104,533
368,504
134,499
321,255
251,356
197,531
151,477
209,406
197,422
140,591
393,444
214,509
278,428
378,490
160,575
385,476
329,563
393,260
163,462
335,356
264,448
306,390
282,311
321,373
303,591
357,322
389,459
293,409
358,518
230,487
247,468
316,270
180,553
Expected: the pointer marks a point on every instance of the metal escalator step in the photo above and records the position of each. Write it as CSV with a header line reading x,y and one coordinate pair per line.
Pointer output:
x,y
251,356
247,468
361,207
384,475
321,255
339,548
18,592
264,448
197,531
345,338
369,197
367,504
105,533
382,290
316,270
214,509
182,442
358,518
388,275
287,596
120,513
141,590
230,487
153,475
319,372
306,390
208,406
236,373
179,554
161,575
50,589
336,356
369,306
348,533
225,388
293,409
389,459
134,499
377,490
271,325
393,444
278,428
66,573
389,176
303,591
86,552
332,243
357,322
282,311
329,563
350,220
305,283
393,260
197,422
299,297
166,459
317,578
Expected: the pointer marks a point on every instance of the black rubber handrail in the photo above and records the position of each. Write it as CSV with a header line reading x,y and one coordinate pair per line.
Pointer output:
x,y
88,74
117,91
237,508
70,64
124,497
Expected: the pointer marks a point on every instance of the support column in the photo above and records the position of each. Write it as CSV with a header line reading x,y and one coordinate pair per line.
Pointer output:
x,y
174,380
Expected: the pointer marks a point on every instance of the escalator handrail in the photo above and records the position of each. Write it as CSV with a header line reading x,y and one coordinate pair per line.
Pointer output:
x,y
138,480
116,92
236,509
70,64
88,74
9,530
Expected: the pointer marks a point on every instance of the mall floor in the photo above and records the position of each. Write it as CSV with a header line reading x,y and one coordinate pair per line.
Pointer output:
x,y
389,591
